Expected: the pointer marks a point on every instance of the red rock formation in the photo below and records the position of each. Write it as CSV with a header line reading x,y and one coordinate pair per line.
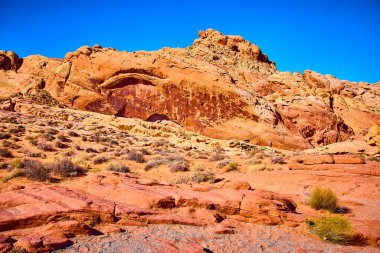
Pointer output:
x,y
221,86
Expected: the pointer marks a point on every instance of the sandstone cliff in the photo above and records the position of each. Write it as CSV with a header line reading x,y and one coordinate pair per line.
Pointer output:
x,y
221,86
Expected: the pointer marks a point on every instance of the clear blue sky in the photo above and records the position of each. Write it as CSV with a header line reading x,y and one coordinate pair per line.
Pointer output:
x,y
338,37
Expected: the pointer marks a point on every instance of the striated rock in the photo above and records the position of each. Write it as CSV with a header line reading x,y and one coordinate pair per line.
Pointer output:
x,y
221,86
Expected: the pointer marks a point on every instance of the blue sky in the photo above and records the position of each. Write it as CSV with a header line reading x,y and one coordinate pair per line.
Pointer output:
x,y
341,38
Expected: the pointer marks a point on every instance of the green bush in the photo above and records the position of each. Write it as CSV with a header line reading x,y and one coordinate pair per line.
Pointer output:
x,y
323,198
336,229
232,167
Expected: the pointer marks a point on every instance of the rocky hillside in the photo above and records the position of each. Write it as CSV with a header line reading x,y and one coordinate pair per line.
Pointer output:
x,y
221,86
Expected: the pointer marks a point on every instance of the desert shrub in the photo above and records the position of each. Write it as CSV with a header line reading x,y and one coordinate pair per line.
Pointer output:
x,y
336,229
35,154
32,140
52,131
144,151
34,170
18,129
63,138
65,168
84,138
48,137
77,147
11,120
5,153
203,176
100,159
59,144
254,160
45,146
6,143
260,167
73,134
114,143
232,166
91,150
179,180
323,198
159,143
223,163
103,149
136,156
4,166
374,158
154,163
16,164
118,167
277,160
4,136
179,166
13,174
94,170
217,155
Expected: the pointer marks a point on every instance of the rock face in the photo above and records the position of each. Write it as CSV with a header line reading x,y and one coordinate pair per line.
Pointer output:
x,y
9,60
54,214
221,86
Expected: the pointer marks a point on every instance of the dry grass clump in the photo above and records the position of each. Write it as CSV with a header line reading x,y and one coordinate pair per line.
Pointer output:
x,y
118,167
277,160
232,166
100,159
179,180
203,176
135,155
65,168
73,134
4,136
5,153
61,145
91,150
154,163
223,163
35,170
44,146
323,198
176,163
217,155
13,174
336,229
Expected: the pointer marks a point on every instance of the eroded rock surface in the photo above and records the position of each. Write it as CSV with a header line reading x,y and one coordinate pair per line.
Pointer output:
x,y
221,86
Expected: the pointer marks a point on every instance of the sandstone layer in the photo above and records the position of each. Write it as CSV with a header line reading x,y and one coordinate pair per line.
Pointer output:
x,y
221,86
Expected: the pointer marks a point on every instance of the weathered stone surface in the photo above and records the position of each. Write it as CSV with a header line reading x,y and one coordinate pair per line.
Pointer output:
x,y
9,60
237,185
373,135
221,86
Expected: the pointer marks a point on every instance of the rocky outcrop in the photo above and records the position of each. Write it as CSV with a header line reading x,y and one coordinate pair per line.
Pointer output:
x,y
373,135
62,212
221,86
347,163
9,60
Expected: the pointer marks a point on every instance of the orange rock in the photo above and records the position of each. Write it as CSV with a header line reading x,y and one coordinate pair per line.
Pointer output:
x,y
207,87
348,159
237,185
35,243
